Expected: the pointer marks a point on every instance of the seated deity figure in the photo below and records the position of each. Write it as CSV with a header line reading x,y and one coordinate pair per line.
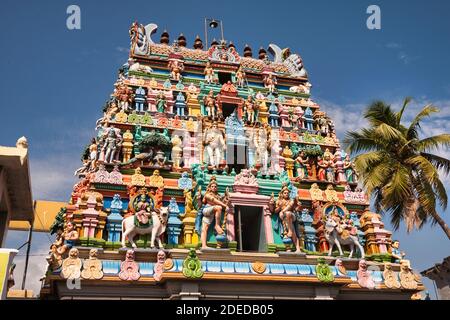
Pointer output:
x,y
249,107
302,165
213,204
285,208
240,77
214,144
161,102
210,105
142,207
209,73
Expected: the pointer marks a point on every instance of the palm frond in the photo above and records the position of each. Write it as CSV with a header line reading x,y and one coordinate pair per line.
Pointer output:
x,y
415,124
399,114
440,163
434,143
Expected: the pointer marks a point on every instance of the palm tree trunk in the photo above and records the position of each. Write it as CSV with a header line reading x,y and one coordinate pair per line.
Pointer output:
x,y
441,222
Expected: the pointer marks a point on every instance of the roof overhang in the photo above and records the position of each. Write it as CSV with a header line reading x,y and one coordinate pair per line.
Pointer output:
x,y
15,186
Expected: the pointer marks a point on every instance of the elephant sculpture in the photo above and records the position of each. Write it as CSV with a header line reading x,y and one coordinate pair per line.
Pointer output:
x,y
156,228
334,237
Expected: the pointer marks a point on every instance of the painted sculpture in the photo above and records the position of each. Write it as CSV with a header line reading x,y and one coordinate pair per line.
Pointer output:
x,y
205,149
92,267
129,269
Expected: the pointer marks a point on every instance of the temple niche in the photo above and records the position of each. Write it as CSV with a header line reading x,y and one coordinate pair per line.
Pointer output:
x,y
209,165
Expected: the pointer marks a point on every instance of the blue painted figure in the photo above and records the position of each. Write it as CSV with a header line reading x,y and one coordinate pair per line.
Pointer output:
x,y
273,115
180,104
114,221
173,223
139,99
309,120
310,238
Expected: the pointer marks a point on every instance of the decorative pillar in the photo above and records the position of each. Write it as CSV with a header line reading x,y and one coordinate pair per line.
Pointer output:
x,y
114,225
173,223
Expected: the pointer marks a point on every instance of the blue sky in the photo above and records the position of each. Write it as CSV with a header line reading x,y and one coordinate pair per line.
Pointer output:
x,y
55,81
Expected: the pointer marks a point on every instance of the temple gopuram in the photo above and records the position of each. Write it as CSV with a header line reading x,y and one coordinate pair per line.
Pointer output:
x,y
214,175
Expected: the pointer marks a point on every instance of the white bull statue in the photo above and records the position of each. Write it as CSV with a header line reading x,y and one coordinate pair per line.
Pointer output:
x,y
156,228
333,237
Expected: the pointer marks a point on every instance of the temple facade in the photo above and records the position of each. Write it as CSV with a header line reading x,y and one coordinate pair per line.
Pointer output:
x,y
213,174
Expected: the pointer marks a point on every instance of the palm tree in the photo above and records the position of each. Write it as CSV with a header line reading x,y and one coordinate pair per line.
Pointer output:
x,y
398,169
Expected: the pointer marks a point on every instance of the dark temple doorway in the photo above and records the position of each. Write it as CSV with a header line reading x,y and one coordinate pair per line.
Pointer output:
x,y
250,229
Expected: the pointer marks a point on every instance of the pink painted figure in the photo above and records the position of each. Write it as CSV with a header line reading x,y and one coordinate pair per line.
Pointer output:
x,y
284,116
365,279
158,269
129,269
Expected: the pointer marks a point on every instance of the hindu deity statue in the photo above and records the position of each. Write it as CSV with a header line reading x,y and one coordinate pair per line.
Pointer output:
x,y
273,115
177,151
364,276
240,77
270,82
139,99
286,209
70,235
210,105
213,204
176,68
390,278
302,165
111,145
143,207
284,116
161,102
326,167
249,110
180,104
349,169
214,144
93,153
129,269
339,163
209,73
261,144
297,117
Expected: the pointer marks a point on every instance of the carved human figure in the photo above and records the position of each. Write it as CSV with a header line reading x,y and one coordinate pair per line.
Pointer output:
x,y
209,73
214,144
110,145
70,235
180,104
210,105
240,77
176,68
273,115
396,253
161,102
158,268
364,276
350,172
93,153
260,141
390,278
302,165
129,269
286,208
71,267
249,110
213,204
284,116
177,151
139,99
92,267
143,210
270,82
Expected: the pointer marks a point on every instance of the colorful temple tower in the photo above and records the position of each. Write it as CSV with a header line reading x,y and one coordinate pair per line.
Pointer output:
x,y
215,175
